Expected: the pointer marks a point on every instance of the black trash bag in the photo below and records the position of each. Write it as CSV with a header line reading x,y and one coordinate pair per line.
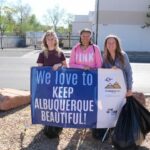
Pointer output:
x,y
52,132
144,116
132,126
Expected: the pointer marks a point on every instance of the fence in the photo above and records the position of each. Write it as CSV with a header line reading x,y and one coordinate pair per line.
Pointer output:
x,y
34,39
66,40
11,41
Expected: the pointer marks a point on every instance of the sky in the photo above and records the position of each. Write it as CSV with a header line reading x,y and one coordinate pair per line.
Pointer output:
x,y
75,7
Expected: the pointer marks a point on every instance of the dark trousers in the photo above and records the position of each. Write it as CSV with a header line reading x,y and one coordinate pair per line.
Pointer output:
x,y
52,132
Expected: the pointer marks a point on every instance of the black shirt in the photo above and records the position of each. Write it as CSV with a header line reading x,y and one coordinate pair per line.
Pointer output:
x,y
54,57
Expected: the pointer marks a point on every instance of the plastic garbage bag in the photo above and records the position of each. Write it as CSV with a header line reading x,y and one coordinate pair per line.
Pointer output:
x,y
132,126
144,116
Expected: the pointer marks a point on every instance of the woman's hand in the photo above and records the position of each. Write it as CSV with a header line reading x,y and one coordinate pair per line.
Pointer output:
x,y
129,93
57,66
86,68
114,67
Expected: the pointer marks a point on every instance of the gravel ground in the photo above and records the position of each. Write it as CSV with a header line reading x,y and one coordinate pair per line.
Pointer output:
x,y
17,133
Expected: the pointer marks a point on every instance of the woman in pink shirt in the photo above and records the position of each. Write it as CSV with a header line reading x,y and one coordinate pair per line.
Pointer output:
x,y
85,54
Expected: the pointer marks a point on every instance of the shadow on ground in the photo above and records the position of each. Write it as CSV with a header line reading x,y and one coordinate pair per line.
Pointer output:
x,y
80,140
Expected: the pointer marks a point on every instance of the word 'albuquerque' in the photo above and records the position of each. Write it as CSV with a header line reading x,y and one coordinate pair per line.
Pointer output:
x,y
66,105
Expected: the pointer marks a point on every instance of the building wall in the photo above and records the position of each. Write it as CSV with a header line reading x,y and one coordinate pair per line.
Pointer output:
x,y
123,5
122,17
133,37
125,19
78,26
80,22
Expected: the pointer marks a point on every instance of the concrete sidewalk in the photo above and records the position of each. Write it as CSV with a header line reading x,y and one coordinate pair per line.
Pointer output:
x,y
15,52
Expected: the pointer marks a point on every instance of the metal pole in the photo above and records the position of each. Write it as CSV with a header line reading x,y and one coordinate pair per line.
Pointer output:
x,y
1,26
97,20
69,39
1,41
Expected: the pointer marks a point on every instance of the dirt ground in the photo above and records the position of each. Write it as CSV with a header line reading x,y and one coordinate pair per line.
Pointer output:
x,y
18,133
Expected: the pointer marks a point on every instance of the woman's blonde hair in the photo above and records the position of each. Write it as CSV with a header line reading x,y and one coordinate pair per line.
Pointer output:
x,y
119,54
44,43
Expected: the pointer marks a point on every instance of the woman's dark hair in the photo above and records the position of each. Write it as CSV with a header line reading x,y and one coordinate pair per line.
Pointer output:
x,y
87,31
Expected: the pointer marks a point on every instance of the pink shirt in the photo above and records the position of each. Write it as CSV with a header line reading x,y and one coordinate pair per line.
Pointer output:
x,y
90,57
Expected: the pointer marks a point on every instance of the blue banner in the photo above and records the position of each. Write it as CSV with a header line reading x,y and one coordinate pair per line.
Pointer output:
x,y
65,98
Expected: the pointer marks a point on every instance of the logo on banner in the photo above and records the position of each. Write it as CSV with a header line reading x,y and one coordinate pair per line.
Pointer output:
x,y
112,86
111,111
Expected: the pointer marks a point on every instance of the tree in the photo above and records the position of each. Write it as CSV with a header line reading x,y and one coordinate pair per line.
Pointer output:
x,y
2,25
21,15
8,19
54,16
33,24
68,20
147,23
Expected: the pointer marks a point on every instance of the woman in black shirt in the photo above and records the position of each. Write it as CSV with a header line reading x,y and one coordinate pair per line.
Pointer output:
x,y
54,57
